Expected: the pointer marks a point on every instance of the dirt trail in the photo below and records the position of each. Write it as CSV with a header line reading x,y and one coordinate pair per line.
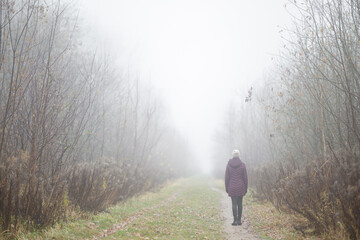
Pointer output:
x,y
242,232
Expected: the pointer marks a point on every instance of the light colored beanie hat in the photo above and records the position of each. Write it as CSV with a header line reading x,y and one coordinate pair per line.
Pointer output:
x,y
236,153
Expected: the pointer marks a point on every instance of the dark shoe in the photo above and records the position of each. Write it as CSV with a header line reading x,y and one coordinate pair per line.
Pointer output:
x,y
235,223
238,222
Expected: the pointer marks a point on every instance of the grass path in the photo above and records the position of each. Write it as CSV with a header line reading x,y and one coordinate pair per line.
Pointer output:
x,y
121,226
185,209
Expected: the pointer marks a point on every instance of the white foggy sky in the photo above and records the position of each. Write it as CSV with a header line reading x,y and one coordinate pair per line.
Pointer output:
x,y
197,54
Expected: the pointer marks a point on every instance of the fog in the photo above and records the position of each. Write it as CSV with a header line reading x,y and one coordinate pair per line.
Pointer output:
x,y
101,101
198,56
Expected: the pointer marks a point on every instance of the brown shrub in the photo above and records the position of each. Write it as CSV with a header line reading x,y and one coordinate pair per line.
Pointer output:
x,y
33,196
93,187
325,191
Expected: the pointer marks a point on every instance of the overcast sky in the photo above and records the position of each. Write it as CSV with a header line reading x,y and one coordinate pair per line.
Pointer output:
x,y
198,54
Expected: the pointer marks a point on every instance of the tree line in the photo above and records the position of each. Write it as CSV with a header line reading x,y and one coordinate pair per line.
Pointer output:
x,y
300,130
75,131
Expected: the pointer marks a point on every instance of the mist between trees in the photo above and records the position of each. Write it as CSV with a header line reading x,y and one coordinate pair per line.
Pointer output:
x,y
299,131
74,131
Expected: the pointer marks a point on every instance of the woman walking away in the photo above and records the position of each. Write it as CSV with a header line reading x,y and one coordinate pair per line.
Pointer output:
x,y
236,184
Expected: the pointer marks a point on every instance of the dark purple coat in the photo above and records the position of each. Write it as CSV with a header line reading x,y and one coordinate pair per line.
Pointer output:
x,y
236,181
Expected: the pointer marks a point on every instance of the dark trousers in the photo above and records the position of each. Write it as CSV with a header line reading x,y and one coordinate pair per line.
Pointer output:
x,y
237,207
